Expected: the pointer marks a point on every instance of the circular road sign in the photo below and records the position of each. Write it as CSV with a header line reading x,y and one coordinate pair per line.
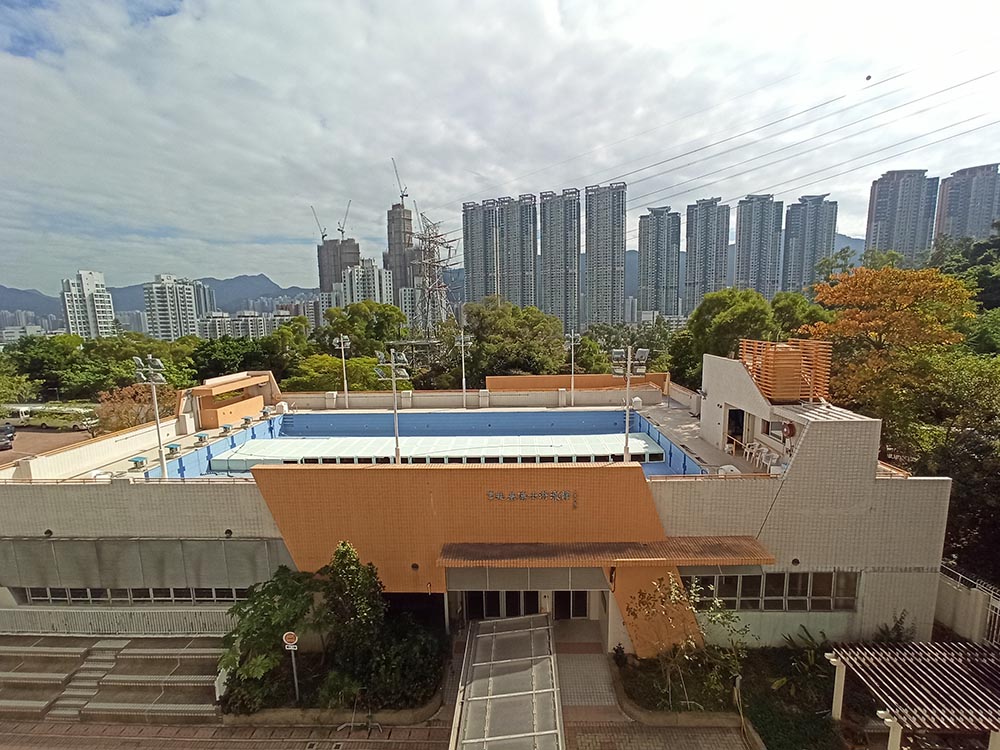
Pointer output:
x,y
290,638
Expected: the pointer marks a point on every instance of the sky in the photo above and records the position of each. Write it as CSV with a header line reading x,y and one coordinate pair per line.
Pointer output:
x,y
192,136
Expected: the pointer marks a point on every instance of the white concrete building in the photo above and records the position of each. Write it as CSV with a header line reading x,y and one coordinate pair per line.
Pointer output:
x,y
756,486
969,203
171,307
758,244
659,261
810,234
87,305
706,251
10,334
901,210
479,250
559,279
605,236
517,248
367,281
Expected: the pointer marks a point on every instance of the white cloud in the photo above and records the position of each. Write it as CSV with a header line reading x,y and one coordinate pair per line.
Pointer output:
x,y
194,143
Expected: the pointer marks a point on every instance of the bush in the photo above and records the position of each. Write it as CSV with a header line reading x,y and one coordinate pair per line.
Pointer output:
x,y
247,696
407,667
337,691
783,727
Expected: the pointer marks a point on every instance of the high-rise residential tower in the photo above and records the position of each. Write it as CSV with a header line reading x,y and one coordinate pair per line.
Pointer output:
x,y
171,307
605,248
810,234
400,256
659,261
517,248
335,257
87,305
479,242
204,298
560,247
758,244
901,214
706,250
367,282
969,203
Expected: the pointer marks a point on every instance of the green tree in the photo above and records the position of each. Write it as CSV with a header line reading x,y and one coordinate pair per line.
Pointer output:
x,y
323,372
654,336
252,649
983,333
590,357
44,359
685,362
370,326
879,259
725,317
283,349
15,388
975,263
222,356
511,340
840,262
792,311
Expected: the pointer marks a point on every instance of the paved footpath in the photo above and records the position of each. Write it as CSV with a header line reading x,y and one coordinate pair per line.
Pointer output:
x,y
579,736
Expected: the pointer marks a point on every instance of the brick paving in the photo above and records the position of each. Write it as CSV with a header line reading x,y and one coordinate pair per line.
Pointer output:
x,y
579,736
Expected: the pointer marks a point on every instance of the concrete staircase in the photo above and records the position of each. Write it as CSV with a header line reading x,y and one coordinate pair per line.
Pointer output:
x,y
83,684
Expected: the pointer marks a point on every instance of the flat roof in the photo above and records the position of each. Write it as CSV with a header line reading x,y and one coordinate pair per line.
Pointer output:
x,y
819,412
280,450
508,695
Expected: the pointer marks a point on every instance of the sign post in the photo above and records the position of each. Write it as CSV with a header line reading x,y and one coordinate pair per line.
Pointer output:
x,y
291,641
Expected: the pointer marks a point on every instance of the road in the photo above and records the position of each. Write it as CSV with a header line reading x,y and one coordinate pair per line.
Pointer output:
x,y
30,441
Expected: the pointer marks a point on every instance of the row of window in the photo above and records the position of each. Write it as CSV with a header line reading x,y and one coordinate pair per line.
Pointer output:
x,y
637,457
119,597
777,592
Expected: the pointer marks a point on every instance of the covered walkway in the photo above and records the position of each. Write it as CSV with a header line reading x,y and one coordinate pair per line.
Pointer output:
x,y
933,695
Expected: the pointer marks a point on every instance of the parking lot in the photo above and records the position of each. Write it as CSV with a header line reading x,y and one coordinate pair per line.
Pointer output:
x,y
30,441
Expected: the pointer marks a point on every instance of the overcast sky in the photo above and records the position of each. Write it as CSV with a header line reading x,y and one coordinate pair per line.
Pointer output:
x,y
191,137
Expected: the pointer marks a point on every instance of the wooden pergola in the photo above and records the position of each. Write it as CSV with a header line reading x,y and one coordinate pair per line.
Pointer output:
x,y
926,688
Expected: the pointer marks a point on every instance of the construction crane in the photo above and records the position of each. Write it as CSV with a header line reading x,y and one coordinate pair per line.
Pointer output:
x,y
402,190
322,229
342,226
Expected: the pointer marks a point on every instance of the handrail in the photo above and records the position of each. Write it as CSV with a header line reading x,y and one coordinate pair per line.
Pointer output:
x,y
969,581
131,479
889,471
676,477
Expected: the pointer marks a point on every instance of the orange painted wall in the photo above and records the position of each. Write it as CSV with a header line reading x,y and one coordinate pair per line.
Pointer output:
x,y
232,412
400,515
650,636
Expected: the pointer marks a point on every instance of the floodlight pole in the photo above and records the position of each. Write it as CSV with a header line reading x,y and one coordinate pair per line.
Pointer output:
x,y
395,408
572,339
628,402
145,373
461,339
344,343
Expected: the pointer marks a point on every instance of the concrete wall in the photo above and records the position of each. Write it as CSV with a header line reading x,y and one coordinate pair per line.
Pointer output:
x,y
214,415
726,381
92,454
495,383
829,512
121,508
961,609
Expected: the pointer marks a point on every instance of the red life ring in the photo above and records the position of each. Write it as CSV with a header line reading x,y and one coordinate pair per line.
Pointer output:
x,y
788,430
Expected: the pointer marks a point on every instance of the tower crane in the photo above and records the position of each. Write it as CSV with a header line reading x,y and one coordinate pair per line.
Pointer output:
x,y
402,190
322,229
342,226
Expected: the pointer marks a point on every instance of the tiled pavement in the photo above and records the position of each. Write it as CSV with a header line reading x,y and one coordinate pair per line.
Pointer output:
x,y
579,736
585,680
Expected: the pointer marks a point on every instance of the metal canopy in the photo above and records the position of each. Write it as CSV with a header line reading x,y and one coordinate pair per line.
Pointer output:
x,y
940,687
508,695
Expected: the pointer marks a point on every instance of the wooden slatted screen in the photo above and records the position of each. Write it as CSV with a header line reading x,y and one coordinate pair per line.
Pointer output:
x,y
789,371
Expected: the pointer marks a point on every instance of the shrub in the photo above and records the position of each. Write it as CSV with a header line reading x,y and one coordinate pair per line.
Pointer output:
x,y
407,667
337,691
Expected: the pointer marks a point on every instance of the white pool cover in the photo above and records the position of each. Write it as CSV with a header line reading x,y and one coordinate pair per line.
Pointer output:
x,y
508,695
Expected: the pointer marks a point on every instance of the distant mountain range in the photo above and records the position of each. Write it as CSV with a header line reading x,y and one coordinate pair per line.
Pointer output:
x,y
231,295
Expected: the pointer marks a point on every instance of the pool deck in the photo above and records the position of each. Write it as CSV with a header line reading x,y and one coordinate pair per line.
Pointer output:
x,y
675,422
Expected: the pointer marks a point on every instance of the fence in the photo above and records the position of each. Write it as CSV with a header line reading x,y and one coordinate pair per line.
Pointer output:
x,y
115,621
969,605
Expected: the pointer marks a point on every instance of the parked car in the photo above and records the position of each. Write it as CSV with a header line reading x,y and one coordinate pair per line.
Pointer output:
x,y
8,431
6,443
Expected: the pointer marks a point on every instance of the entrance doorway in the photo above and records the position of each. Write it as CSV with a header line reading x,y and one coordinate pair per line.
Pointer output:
x,y
735,424
486,605
568,605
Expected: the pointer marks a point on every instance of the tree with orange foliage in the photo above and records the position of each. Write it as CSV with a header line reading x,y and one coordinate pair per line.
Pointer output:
x,y
132,405
893,308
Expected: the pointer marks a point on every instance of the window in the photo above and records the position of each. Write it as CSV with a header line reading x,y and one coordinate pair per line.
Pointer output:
x,y
779,592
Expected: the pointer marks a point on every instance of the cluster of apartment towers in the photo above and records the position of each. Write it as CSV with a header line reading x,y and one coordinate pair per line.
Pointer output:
x,y
530,253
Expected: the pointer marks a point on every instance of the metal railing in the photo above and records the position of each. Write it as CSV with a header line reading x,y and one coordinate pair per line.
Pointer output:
x,y
115,621
888,471
992,630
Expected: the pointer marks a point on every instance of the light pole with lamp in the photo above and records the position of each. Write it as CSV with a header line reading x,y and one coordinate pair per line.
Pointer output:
x,y
572,340
624,365
392,368
150,371
343,341
463,341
